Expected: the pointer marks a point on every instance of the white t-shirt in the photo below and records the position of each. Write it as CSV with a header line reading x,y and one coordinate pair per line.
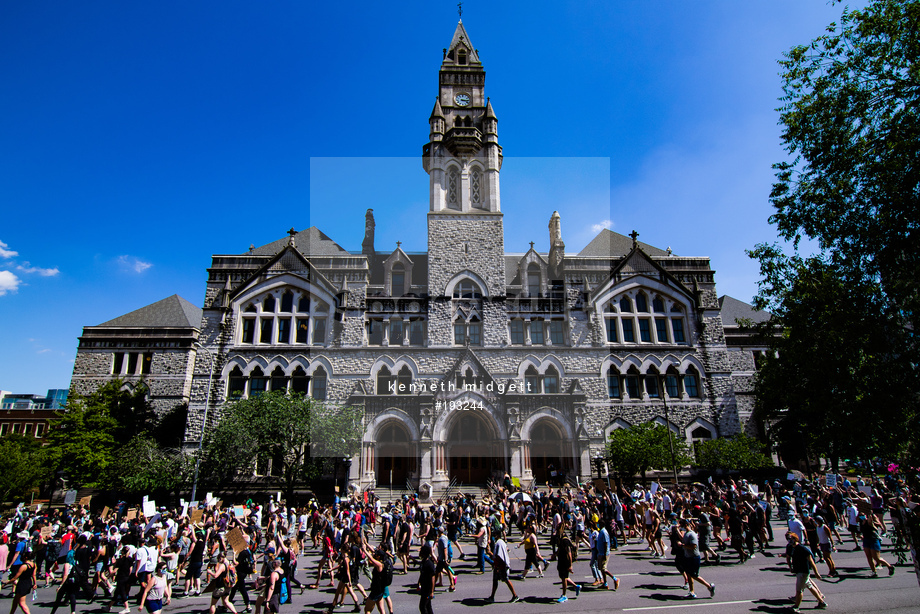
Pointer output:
x,y
796,526
853,515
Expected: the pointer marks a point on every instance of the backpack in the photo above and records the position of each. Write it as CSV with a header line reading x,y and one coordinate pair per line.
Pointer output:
x,y
387,571
230,578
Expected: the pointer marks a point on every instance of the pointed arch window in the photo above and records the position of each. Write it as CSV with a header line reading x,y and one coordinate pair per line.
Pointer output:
x,y
287,302
453,188
532,380
613,383
300,383
628,319
692,383
632,383
236,384
672,383
385,381
279,380
551,381
319,384
258,383
652,383
476,188
404,380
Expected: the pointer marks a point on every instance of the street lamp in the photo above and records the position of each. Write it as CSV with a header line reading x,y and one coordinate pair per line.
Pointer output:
x,y
667,417
204,421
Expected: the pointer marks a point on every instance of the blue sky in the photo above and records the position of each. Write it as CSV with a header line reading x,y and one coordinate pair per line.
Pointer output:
x,y
140,138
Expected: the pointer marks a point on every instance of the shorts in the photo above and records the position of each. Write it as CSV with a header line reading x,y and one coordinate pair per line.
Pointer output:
x,y
872,544
853,528
564,572
826,549
500,573
193,571
802,581
219,592
153,605
692,566
602,563
680,563
530,558
274,604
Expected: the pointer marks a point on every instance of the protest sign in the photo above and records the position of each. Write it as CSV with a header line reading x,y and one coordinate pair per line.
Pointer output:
x,y
237,540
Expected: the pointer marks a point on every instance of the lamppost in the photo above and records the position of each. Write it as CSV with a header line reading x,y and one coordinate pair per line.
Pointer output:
x,y
204,422
667,417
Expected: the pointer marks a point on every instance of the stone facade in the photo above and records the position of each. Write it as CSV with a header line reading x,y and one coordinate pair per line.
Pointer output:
x,y
517,363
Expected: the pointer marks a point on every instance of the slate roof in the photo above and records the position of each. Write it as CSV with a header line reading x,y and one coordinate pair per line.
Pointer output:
x,y
609,244
173,311
734,310
309,242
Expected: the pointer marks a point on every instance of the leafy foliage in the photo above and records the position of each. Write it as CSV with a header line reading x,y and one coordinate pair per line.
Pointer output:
x,y
95,440
842,378
142,466
738,453
642,447
300,437
21,466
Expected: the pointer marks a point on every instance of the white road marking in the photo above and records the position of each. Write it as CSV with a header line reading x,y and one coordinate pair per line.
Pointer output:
x,y
686,605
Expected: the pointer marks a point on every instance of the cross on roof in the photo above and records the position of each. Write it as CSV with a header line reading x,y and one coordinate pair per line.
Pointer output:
x,y
635,237
292,232
460,9
398,243
531,245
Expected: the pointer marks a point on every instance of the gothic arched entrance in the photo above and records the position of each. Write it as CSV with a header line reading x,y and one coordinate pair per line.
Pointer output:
x,y
473,451
395,455
547,452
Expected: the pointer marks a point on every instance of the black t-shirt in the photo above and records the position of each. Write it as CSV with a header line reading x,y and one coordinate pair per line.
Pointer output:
x,y
426,576
800,556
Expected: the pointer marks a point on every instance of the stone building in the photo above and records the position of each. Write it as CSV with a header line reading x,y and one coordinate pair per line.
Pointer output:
x,y
153,346
468,361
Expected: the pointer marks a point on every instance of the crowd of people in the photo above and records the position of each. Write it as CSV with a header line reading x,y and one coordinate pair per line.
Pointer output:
x,y
123,557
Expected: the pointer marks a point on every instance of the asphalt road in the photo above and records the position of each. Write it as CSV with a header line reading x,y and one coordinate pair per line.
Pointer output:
x,y
647,585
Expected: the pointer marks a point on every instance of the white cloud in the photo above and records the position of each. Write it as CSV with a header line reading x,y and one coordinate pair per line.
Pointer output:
x,y
6,252
606,224
25,268
43,351
8,282
133,264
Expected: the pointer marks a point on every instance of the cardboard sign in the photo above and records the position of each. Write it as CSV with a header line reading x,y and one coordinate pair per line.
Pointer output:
x,y
237,540
105,511
84,501
863,506
239,511
46,532
132,514
830,480
600,485
196,516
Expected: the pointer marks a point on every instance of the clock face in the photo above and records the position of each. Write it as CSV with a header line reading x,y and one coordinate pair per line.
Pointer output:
x,y
462,100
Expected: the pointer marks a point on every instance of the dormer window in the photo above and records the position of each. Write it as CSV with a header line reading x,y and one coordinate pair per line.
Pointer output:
x,y
461,57
399,279
533,280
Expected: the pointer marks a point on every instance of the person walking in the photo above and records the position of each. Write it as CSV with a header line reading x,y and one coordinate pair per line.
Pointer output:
x,y
25,583
872,543
426,580
691,545
501,567
803,564
566,554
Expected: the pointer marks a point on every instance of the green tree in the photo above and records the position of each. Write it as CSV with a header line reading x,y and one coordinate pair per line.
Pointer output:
x,y
300,437
738,453
832,386
847,355
83,441
22,466
144,467
642,447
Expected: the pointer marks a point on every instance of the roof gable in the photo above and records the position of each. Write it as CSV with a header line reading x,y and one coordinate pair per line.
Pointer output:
x,y
309,242
609,244
173,311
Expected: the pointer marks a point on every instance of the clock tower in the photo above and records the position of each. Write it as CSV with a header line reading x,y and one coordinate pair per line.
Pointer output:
x,y
463,160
